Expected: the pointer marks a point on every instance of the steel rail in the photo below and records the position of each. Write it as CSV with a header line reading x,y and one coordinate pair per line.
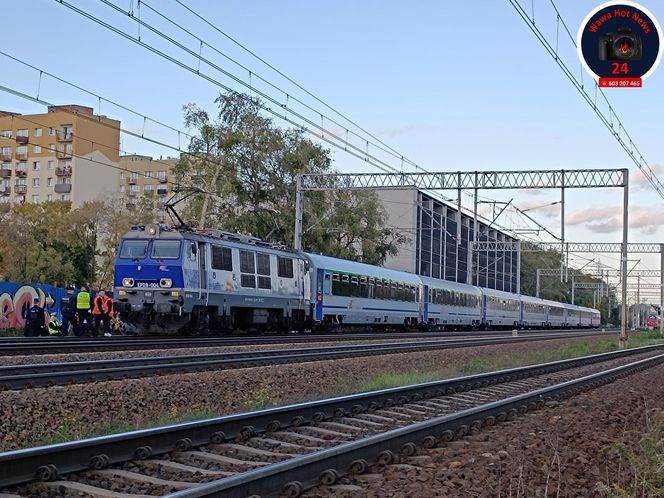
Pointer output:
x,y
330,463
22,466
47,374
10,346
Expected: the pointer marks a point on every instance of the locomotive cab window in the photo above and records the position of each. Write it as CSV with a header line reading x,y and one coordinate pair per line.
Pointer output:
x,y
263,264
166,249
221,258
134,249
285,267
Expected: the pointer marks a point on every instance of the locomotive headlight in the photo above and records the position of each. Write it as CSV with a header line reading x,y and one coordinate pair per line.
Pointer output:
x,y
175,293
152,229
122,292
165,282
127,282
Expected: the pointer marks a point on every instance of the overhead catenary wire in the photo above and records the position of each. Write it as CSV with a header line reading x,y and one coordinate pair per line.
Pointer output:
x,y
609,121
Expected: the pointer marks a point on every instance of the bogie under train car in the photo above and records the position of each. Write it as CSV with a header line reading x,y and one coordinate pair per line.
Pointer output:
x,y
171,281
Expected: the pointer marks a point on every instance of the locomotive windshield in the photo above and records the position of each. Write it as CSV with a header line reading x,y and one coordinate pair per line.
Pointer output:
x,y
166,249
134,249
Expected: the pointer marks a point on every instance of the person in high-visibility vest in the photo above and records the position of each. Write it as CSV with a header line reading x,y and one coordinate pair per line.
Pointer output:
x,y
102,311
54,325
83,324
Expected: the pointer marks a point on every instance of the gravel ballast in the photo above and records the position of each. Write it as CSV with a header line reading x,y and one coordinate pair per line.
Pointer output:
x,y
34,416
578,448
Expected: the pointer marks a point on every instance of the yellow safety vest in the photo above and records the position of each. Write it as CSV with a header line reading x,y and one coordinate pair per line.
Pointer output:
x,y
83,301
53,327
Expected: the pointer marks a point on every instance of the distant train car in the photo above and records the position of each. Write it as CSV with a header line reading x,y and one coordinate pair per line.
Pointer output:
x,y
451,304
557,317
501,309
350,293
534,312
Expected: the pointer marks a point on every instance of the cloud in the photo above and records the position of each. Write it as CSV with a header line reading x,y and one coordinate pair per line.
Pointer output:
x,y
637,180
609,219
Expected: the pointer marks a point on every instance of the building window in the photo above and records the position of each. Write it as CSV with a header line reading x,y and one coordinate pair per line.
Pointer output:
x,y
20,182
66,180
51,165
50,182
36,149
36,165
64,197
148,174
148,188
35,199
22,150
6,134
135,188
51,132
38,132
49,197
162,175
134,176
122,175
35,182
51,147
22,133
122,188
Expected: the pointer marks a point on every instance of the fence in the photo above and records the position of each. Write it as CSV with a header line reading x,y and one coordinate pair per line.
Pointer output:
x,y
16,297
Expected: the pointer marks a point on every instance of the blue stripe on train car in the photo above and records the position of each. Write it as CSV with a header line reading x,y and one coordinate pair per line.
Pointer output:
x,y
319,293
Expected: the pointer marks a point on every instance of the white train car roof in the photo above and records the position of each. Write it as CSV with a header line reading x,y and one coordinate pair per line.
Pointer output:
x,y
437,283
556,304
533,299
352,267
503,294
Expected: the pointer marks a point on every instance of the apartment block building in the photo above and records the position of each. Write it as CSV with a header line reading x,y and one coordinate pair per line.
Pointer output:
x,y
67,153
143,176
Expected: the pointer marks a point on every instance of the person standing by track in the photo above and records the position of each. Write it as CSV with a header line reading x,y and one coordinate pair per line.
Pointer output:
x,y
102,311
82,326
34,320
68,310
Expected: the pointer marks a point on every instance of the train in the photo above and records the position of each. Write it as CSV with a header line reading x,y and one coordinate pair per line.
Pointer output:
x,y
181,280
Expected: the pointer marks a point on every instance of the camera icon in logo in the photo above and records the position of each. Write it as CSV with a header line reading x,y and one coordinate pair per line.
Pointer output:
x,y
622,45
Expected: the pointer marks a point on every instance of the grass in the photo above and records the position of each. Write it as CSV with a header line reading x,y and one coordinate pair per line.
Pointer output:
x,y
390,379
71,429
645,462
11,332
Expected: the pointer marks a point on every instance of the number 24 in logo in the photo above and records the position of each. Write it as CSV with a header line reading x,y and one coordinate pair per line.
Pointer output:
x,y
620,68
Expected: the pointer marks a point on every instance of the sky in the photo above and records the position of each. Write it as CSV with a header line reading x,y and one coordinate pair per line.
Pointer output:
x,y
449,85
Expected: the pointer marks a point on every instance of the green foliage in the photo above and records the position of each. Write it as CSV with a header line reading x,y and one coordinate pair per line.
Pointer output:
x,y
53,243
246,167
255,400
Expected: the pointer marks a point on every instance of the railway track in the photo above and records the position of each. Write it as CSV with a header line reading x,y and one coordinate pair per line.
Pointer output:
x,y
289,448
48,374
11,346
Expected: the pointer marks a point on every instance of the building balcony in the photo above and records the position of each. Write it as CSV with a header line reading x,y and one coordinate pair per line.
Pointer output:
x,y
162,191
5,173
20,189
21,173
21,156
64,154
62,188
21,139
5,156
63,171
5,190
65,136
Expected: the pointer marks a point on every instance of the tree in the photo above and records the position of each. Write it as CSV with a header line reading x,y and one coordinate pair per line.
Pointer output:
x,y
246,168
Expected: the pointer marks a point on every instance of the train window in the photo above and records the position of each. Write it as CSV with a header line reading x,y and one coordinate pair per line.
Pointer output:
x,y
247,263
263,264
133,249
221,258
393,291
364,287
327,284
166,249
336,285
285,267
372,288
264,282
248,280
345,285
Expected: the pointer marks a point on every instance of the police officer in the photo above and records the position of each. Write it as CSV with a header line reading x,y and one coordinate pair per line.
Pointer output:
x,y
54,325
34,320
82,313
68,309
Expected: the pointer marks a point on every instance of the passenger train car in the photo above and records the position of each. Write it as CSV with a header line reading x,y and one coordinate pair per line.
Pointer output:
x,y
182,280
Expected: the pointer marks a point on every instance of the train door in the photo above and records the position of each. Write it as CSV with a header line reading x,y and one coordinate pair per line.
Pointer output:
x,y
202,271
424,289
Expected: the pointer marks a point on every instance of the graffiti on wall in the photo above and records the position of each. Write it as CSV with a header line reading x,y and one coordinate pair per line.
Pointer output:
x,y
16,298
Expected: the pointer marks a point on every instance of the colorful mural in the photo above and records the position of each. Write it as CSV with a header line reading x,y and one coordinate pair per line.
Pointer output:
x,y
15,298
